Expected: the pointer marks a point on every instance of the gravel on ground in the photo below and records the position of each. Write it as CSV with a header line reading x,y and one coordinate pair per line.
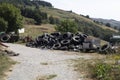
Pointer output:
x,y
34,63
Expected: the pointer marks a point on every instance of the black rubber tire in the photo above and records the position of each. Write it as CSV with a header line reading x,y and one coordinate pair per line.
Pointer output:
x,y
29,44
104,47
76,38
14,38
5,38
65,42
56,34
56,46
64,48
67,35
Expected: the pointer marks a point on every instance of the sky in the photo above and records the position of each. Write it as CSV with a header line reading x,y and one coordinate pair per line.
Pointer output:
x,y
107,9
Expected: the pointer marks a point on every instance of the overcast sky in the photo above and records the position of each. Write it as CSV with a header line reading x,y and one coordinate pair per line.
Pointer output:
x,y
108,9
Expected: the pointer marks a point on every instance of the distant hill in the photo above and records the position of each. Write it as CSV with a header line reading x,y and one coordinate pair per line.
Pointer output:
x,y
43,12
113,23
28,2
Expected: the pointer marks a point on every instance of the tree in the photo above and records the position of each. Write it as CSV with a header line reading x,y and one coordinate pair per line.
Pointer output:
x,y
87,16
108,24
52,20
67,26
3,25
38,18
12,15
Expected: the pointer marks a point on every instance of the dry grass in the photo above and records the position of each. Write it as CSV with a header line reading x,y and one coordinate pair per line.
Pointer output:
x,y
5,64
44,63
35,30
46,77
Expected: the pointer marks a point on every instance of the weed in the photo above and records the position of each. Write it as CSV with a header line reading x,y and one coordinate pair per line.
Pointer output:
x,y
44,63
5,64
101,71
46,77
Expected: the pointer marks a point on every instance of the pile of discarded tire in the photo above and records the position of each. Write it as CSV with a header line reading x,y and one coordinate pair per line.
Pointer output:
x,y
8,37
59,41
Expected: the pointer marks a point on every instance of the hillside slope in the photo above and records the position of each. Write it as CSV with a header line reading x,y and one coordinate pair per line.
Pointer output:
x,y
61,14
85,25
112,22
42,13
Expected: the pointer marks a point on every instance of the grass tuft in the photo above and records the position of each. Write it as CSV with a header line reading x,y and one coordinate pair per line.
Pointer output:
x,y
46,77
5,64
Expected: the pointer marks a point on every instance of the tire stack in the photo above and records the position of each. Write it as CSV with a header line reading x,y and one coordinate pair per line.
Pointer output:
x,y
59,41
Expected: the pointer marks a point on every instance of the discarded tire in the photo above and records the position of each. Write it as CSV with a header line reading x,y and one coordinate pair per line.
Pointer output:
x,y
59,41
5,38
106,49
76,38
56,46
65,42
67,35
56,34
64,48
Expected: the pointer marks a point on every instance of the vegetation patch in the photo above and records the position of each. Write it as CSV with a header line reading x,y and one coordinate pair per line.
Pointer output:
x,y
5,64
46,77
36,30
44,63
99,69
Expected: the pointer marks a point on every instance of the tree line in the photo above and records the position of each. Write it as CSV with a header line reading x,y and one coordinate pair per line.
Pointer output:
x,y
27,2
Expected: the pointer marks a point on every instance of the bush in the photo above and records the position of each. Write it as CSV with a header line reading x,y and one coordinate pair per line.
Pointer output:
x,y
3,25
12,15
104,71
36,14
67,26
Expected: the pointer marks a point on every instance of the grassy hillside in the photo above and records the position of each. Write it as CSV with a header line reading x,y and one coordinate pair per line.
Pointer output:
x,y
36,30
85,25
113,23
61,14
46,14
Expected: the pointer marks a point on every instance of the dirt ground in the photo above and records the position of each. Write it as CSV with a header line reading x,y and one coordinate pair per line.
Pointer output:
x,y
37,64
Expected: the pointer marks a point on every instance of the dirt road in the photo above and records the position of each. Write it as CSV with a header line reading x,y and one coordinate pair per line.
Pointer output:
x,y
36,64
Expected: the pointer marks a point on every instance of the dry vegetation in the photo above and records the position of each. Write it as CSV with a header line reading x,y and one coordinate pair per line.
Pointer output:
x,y
104,67
46,77
5,64
35,30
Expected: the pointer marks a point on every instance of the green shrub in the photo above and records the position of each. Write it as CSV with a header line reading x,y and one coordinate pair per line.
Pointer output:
x,y
67,26
103,71
12,15
3,25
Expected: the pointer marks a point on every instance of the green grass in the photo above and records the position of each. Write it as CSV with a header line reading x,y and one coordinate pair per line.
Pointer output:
x,y
105,68
5,64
